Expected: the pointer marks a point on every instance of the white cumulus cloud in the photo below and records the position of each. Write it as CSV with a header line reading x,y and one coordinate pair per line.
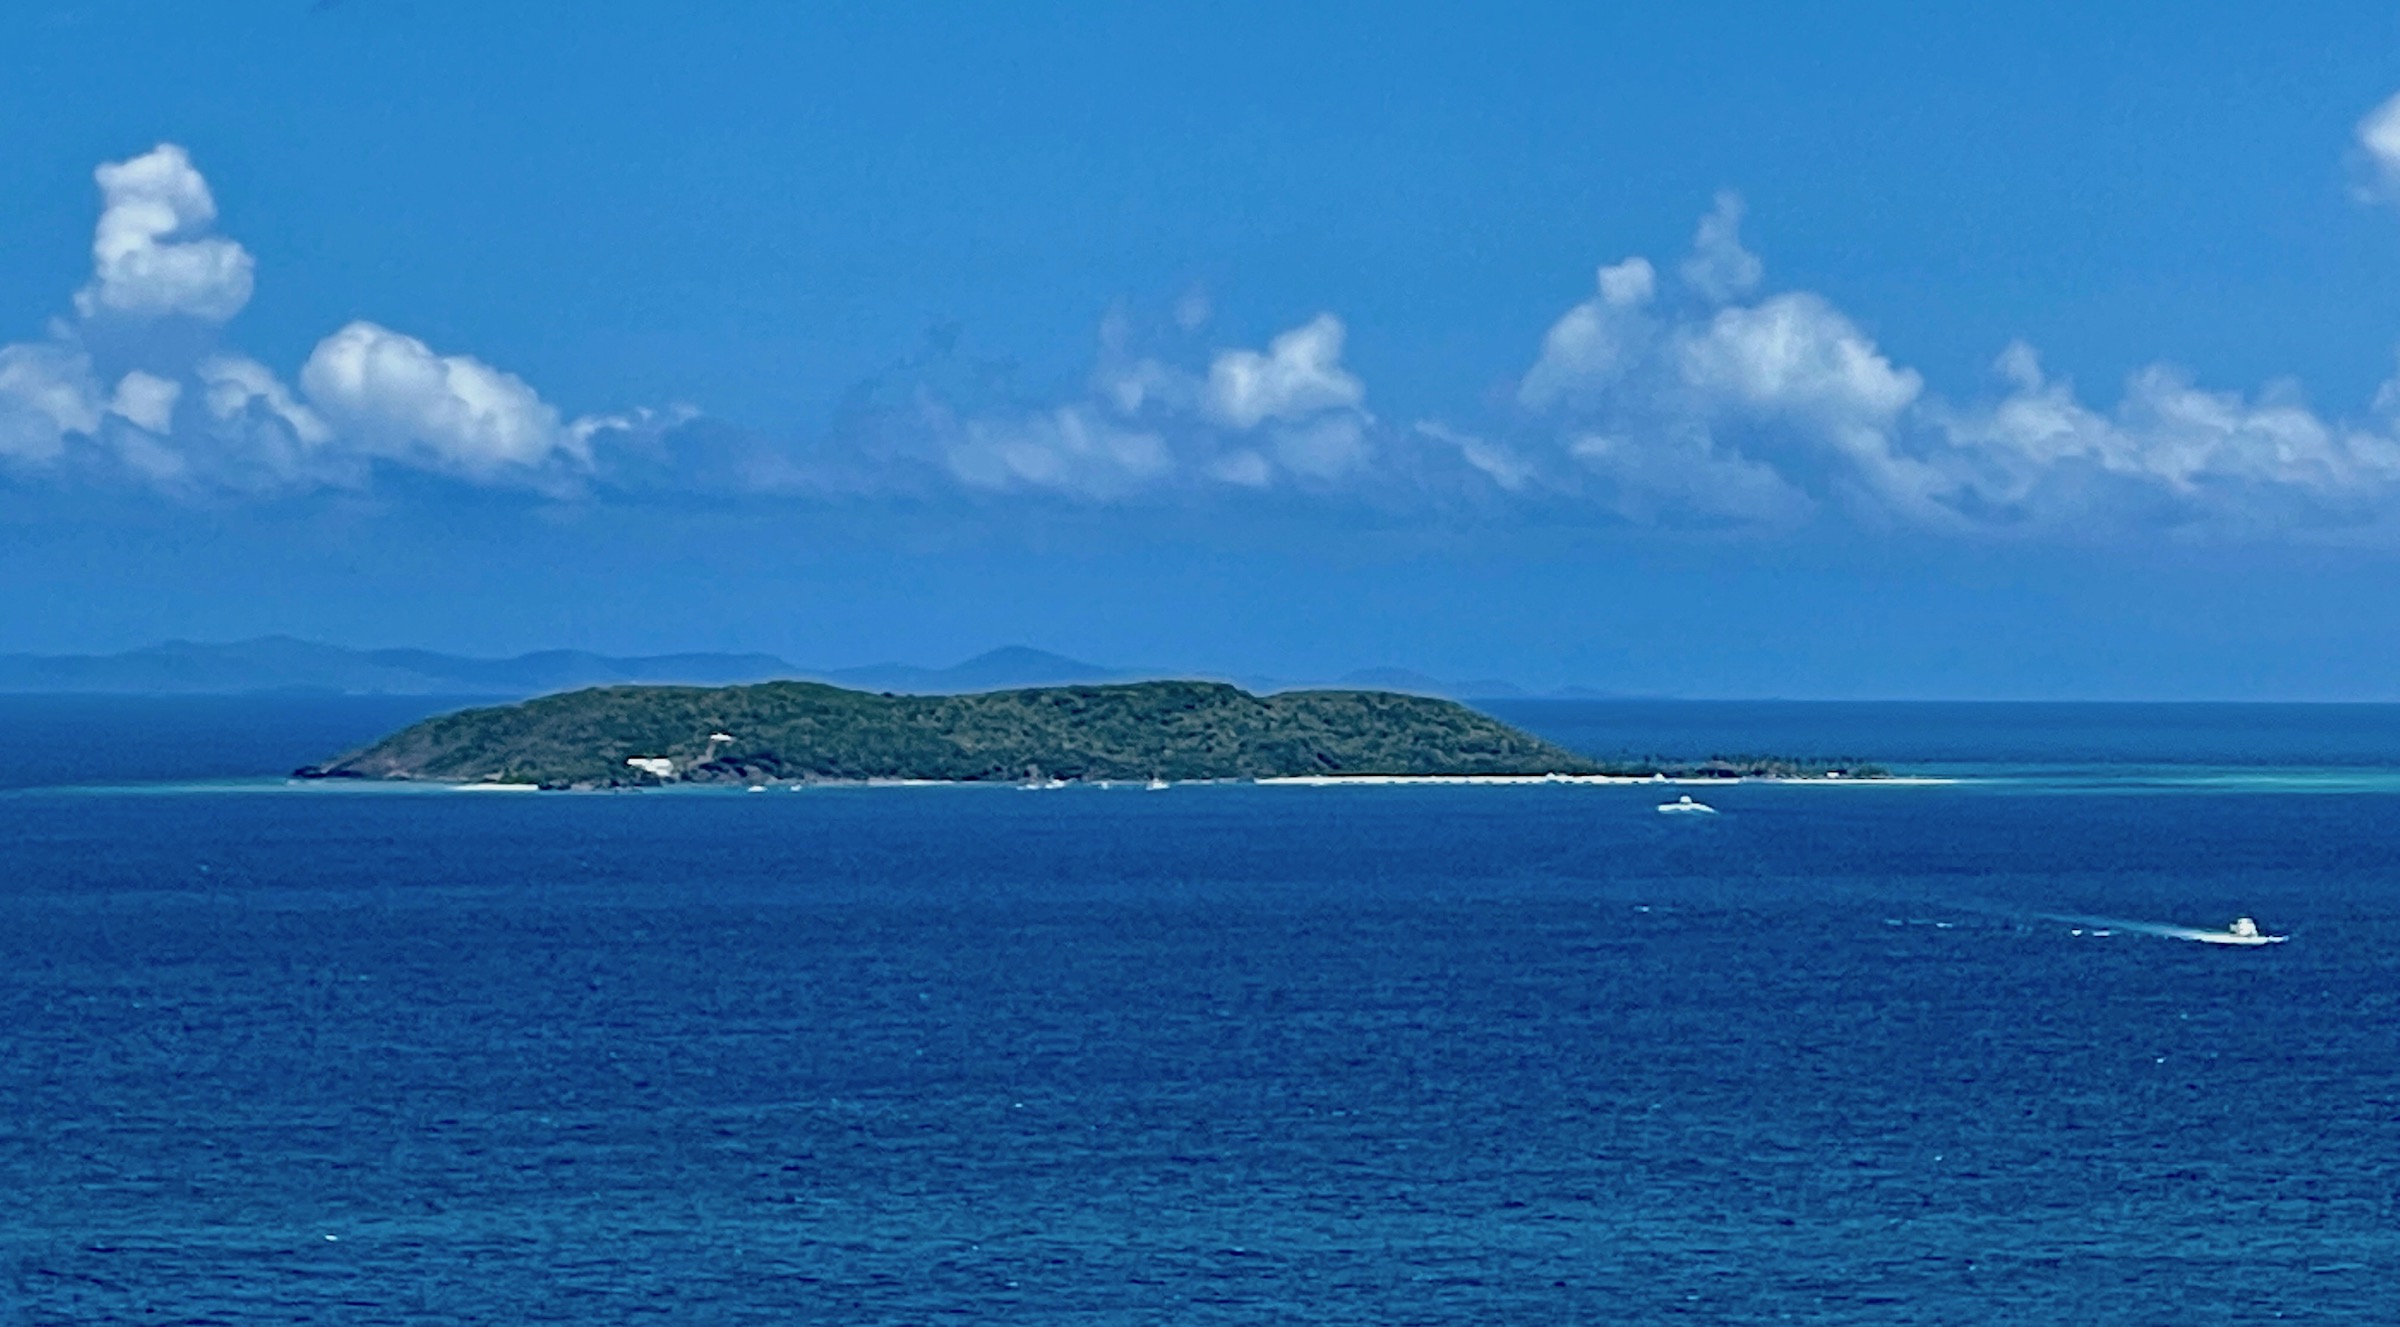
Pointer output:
x,y
1796,354
1300,374
47,393
151,256
1720,269
1067,450
390,395
2208,454
2379,138
174,407
1594,343
146,401
1712,401
1766,410
1680,475
260,434
236,388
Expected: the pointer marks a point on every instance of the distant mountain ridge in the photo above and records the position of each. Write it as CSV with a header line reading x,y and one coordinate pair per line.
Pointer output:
x,y
993,670
283,663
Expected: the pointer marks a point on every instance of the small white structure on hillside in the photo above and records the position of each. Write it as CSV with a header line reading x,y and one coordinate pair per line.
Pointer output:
x,y
659,766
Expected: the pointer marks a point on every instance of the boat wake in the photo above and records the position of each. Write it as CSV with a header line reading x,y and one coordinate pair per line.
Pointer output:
x,y
2242,933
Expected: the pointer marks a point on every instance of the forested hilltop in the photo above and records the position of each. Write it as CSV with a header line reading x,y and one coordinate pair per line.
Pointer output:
x,y
632,736
781,731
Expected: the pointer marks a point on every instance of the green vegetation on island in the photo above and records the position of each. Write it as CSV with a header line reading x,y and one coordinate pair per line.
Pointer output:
x,y
633,736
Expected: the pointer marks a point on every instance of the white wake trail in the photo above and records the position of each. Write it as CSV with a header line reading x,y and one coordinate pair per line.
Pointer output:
x,y
2236,934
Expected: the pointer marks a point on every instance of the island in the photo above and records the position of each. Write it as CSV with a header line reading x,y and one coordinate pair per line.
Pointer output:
x,y
808,732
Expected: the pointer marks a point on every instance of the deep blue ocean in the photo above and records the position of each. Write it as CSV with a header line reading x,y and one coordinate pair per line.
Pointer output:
x,y
1216,1054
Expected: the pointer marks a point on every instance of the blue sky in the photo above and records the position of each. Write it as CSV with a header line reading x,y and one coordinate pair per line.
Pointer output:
x,y
1862,351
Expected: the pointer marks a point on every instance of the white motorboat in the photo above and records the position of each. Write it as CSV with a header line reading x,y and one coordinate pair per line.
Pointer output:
x,y
2243,932
1684,805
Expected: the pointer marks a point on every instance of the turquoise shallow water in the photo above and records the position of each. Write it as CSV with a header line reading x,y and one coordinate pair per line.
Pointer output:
x,y
1230,1054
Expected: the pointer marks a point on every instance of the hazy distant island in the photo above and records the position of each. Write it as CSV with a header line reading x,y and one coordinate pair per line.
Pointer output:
x,y
281,664
785,732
